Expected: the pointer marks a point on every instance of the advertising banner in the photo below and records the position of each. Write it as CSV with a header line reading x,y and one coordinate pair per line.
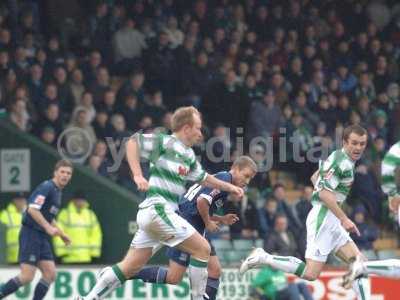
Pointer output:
x,y
74,280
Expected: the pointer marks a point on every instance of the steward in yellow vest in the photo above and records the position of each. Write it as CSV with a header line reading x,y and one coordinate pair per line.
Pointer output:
x,y
11,217
81,225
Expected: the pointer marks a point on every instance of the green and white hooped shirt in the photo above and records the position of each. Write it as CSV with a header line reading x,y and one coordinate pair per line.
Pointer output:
x,y
336,174
390,163
172,164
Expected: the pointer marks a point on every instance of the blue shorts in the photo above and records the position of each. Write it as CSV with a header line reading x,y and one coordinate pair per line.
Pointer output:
x,y
183,258
34,246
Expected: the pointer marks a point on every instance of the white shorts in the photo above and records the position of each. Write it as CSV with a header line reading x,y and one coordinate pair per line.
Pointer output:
x,y
159,224
325,234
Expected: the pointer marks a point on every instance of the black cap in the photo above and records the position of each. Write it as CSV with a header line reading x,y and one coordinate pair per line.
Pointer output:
x,y
20,195
79,194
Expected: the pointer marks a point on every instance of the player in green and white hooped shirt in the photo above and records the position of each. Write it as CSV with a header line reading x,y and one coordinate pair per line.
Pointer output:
x,y
172,163
390,164
328,226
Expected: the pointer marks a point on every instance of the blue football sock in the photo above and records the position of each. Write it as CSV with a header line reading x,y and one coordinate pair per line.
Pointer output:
x,y
41,290
152,274
10,287
211,288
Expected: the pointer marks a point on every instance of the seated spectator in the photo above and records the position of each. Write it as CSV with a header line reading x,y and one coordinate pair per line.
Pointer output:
x,y
82,134
271,284
19,115
154,107
261,180
101,125
368,233
86,102
51,118
76,85
131,111
248,225
128,43
48,136
107,104
281,241
264,117
279,193
267,216
366,190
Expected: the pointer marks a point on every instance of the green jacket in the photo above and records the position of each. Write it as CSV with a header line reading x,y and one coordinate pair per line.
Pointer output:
x,y
270,281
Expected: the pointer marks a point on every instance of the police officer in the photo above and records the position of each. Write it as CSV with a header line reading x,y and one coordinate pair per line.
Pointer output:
x,y
12,217
38,226
80,223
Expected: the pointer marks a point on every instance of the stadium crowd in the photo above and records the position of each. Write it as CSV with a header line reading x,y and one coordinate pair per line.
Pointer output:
x,y
299,68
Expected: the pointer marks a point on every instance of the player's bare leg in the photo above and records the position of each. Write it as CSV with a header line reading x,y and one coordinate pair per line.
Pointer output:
x,y
48,269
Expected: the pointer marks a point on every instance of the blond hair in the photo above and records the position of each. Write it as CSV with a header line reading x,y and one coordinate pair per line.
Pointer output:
x,y
244,161
183,116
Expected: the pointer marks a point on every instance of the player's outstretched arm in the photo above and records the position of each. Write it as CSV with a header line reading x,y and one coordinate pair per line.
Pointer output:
x,y
329,200
133,158
213,182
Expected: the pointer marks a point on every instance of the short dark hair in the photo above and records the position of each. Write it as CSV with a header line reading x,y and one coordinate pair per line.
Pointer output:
x,y
357,129
63,163
277,186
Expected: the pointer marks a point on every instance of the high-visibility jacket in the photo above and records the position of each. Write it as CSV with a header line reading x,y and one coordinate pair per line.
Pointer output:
x,y
84,230
12,218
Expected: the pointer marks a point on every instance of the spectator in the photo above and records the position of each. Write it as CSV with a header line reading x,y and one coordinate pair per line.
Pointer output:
x,y
81,224
87,136
368,233
86,102
279,193
76,86
64,93
174,34
48,136
271,284
101,84
264,117
365,87
11,217
131,112
248,225
128,43
226,103
108,102
134,86
217,156
19,115
261,179
267,215
89,68
51,118
101,125
281,241
35,84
